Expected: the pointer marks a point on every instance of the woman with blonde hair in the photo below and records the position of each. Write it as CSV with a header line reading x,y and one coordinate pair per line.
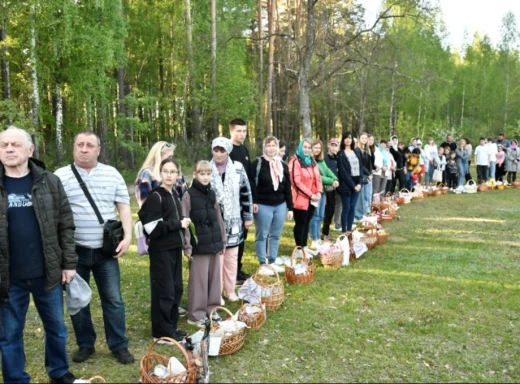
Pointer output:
x,y
149,175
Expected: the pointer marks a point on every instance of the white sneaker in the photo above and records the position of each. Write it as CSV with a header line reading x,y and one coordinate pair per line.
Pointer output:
x,y
277,268
266,271
201,323
315,244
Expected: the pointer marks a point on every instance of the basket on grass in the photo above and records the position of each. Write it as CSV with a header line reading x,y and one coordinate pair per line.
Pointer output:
x,y
151,359
229,343
332,258
273,291
386,216
516,184
405,195
443,188
253,320
470,187
390,207
417,193
304,278
98,379
482,187
382,236
369,234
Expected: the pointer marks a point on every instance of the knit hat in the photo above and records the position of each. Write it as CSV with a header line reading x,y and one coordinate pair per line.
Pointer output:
x,y
222,142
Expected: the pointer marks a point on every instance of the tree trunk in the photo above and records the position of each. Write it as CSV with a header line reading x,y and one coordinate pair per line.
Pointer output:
x,y
214,117
303,74
191,72
6,87
270,70
102,127
59,125
34,76
391,120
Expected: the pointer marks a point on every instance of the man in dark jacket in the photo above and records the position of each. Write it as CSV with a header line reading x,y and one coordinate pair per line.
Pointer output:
x,y
240,153
37,256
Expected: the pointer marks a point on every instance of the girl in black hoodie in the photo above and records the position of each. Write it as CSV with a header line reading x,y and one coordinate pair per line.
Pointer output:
x,y
162,219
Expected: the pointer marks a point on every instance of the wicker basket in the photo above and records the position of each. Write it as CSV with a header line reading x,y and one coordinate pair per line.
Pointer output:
x,y
98,378
370,239
254,321
417,193
333,259
483,187
228,344
382,237
276,289
304,278
151,359
516,184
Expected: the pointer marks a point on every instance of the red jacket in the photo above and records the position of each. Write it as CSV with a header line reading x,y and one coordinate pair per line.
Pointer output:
x,y
305,182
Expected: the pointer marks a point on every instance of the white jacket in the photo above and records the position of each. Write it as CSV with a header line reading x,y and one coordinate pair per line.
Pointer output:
x,y
378,162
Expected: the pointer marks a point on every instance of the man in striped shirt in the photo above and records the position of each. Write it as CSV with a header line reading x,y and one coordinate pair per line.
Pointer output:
x,y
108,190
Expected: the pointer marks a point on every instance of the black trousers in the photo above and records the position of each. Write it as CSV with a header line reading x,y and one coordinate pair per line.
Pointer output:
x,y
452,180
166,291
330,205
500,172
482,172
241,248
467,176
511,177
302,220
401,177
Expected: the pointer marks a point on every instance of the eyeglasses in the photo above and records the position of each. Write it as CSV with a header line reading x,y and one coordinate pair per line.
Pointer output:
x,y
169,173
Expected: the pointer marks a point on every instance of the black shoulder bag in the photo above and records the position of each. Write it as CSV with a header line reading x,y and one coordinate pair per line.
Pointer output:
x,y
112,229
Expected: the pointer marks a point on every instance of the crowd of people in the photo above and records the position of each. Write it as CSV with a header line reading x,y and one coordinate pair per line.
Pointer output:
x,y
54,216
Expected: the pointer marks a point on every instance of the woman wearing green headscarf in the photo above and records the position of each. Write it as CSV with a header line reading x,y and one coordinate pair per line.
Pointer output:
x,y
306,190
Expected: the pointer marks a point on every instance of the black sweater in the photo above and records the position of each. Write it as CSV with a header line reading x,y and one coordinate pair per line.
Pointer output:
x,y
264,192
347,182
165,208
332,162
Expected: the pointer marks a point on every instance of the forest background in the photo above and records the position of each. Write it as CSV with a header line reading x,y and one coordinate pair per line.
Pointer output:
x,y
138,71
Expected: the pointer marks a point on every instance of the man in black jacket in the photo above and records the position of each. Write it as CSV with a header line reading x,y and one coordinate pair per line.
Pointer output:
x,y
240,153
37,256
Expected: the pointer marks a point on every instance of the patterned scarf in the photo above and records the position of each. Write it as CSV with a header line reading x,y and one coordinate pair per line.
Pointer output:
x,y
276,168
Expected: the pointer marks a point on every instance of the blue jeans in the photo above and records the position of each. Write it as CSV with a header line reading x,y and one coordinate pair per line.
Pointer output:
x,y
364,202
349,207
463,169
317,218
50,308
269,221
491,170
106,273
429,174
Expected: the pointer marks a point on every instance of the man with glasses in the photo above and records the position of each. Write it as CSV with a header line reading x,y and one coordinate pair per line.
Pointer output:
x,y
108,190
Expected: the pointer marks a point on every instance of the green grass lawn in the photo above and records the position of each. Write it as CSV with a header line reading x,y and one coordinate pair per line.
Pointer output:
x,y
437,302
